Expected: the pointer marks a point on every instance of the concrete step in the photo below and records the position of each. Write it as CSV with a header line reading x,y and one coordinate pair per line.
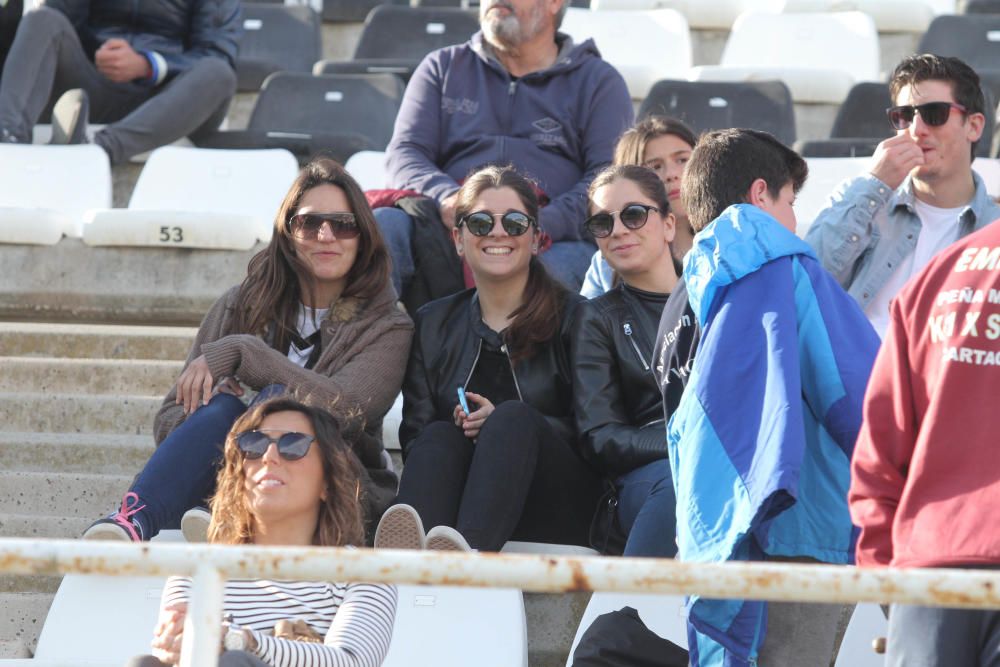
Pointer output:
x,y
56,527
22,620
31,583
61,494
96,341
88,376
106,453
78,413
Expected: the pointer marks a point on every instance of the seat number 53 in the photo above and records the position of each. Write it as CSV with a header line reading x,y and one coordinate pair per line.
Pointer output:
x,y
171,234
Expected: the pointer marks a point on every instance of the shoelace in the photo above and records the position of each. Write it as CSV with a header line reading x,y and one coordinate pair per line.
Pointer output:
x,y
125,513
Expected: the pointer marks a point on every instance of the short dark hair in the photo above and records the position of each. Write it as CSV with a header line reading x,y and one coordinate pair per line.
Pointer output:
x,y
965,84
725,163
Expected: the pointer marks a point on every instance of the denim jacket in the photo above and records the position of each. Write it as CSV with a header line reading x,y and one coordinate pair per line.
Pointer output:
x,y
868,228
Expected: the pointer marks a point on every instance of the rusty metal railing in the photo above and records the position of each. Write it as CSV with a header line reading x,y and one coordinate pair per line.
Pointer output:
x,y
211,565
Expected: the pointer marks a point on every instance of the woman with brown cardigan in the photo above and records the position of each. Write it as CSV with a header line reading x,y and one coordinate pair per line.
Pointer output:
x,y
316,317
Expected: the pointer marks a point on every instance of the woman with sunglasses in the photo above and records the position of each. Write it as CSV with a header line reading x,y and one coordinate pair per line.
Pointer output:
x,y
287,479
664,145
503,466
617,402
315,315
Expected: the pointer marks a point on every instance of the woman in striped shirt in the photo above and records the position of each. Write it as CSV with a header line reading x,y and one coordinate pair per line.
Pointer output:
x,y
287,479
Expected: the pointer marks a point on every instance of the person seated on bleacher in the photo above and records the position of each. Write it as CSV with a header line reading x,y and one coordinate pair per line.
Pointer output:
x,y
506,465
287,479
154,71
316,315
761,441
517,92
921,194
616,398
664,145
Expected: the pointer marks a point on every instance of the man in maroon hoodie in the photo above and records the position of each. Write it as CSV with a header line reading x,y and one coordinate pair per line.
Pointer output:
x,y
925,484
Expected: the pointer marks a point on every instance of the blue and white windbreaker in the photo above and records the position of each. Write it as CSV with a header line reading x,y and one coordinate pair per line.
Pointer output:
x,y
761,443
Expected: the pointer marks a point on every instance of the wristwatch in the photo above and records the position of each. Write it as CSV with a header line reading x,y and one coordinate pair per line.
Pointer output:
x,y
236,639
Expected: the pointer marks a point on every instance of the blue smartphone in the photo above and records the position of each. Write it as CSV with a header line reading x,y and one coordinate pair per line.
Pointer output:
x,y
462,401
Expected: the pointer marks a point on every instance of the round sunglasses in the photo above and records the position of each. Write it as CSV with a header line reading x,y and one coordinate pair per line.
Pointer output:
x,y
307,225
633,216
292,446
480,223
933,113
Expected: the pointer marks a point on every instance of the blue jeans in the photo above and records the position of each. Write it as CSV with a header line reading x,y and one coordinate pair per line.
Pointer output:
x,y
647,510
181,472
566,261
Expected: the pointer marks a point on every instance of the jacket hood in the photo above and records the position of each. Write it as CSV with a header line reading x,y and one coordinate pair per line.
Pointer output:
x,y
571,55
740,241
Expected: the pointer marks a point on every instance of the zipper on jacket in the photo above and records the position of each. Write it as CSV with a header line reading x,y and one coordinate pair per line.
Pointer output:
x,y
475,361
627,328
503,348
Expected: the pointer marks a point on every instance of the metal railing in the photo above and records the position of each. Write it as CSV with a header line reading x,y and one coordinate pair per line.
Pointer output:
x,y
211,565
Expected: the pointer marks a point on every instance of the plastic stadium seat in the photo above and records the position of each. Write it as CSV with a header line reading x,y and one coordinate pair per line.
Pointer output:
x,y
337,114
353,10
368,169
825,174
818,55
867,623
989,170
713,105
982,7
663,614
276,38
47,190
663,34
889,15
455,627
713,14
395,39
975,38
391,423
199,198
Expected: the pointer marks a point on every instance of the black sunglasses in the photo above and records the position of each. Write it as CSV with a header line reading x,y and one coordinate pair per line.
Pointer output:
x,y
932,113
307,225
632,216
291,446
480,223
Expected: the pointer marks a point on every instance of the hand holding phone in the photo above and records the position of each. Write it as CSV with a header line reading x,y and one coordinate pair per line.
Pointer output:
x,y
462,400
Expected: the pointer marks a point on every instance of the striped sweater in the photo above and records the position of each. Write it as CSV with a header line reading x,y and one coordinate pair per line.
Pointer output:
x,y
355,620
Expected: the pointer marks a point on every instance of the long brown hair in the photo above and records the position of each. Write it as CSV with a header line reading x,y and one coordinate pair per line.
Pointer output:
x,y
341,519
271,292
537,319
631,147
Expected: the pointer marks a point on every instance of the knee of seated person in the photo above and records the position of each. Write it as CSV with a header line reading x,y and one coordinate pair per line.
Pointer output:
x,y
221,403
437,436
514,410
215,75
43,18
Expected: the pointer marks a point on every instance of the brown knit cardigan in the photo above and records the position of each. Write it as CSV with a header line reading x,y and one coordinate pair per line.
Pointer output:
x,y
365,344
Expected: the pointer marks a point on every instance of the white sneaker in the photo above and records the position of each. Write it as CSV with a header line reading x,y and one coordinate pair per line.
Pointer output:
x,y
400,528
194,524
446,538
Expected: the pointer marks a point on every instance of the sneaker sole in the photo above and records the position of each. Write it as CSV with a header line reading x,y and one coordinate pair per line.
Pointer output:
x,y
195,528
400,528
106,531
440,540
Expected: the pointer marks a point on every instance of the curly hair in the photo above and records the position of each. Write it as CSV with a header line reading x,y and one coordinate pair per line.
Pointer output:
x,y
341,519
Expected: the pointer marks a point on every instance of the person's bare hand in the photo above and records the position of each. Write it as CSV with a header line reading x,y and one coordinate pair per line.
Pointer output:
x,y
194,386
169,633
473,422
895,158
229,385
119,62
447,209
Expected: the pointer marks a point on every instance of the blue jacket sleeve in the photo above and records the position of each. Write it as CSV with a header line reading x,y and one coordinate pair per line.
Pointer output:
x,y
216,29
609,115
415,149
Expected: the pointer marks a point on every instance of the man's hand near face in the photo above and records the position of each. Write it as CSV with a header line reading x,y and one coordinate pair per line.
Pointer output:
x,y
119,62
895,158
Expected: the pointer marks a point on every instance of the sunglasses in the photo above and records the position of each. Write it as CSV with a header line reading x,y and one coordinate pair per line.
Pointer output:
x,y
307,225
480,223
291,446
932,113
632,216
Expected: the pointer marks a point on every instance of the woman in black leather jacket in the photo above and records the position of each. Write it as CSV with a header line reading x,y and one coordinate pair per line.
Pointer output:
x,y
507,468
617,402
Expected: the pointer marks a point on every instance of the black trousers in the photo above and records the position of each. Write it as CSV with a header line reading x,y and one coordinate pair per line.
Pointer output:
x,y
518,481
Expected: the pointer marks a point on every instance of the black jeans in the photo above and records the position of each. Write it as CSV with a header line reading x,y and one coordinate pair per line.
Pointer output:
x,y
518,481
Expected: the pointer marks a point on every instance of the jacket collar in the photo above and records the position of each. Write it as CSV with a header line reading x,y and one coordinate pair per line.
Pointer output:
x,y
569,57
973,212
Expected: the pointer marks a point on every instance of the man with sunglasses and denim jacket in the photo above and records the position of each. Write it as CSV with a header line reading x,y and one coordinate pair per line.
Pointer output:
x,y
920,195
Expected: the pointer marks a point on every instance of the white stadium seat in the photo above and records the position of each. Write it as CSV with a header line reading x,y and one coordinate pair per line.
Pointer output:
x,y
47,191
818,55
199,198
867,623
644,46
825,174
368,169
889,15
713,14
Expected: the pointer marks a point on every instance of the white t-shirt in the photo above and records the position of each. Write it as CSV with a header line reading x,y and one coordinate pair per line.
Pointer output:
x,y
307,323
938,230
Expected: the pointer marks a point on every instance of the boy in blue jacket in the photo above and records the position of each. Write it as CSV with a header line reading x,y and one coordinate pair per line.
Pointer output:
x,y
761,441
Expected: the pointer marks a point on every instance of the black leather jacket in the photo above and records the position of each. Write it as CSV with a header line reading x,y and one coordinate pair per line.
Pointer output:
x,y
181,31
617,403
448,335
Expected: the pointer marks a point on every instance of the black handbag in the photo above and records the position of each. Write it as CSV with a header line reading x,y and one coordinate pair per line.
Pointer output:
x,y
606,533
621,639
